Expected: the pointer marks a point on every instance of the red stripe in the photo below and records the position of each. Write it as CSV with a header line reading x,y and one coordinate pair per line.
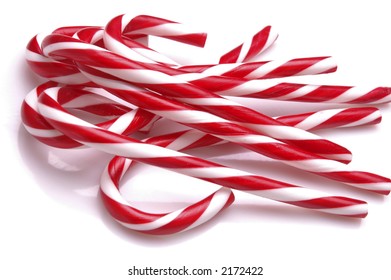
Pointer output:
x,y
348,116
323,93
329,202
195,39
179,162
144,21
231,56
249,183
52,69
358,177
374,95
185,219
294,67
258,43
189,216
127,214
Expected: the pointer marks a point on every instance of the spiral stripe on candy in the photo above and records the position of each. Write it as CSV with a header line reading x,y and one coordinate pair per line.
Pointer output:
x,y
267,69
149,25
128,122
258,43
223,129
347,117
272,89
174,87
124,146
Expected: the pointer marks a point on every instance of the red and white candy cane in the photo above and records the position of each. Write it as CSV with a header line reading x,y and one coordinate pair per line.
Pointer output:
x,y
119,208
175,87
208,123
122,145
253,46
279,90
267,69
98,102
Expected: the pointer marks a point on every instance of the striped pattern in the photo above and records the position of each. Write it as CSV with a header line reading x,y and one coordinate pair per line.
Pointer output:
x,y
111,74
148,153
266,69
258,43
222,128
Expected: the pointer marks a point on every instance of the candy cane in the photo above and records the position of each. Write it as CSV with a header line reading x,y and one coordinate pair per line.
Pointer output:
x,y
118,144
98,102
253,46
267,146
267,69
45,118
185,92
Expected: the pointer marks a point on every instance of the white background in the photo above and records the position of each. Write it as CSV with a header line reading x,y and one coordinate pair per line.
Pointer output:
x,y
53,225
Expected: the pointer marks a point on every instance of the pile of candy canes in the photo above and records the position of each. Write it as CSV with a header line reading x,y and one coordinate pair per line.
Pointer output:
x,y
110,72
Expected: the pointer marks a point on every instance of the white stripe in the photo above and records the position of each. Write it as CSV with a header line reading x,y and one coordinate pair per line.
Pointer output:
x,y
155,56
208,101
119,48
166,29
244,50
188,77
69,45
61,116
122,122
217,203
45,133
317,118
381,186
86,100
289,194
185,140
155,224
144,76
108,187
210,172
351,94
189,116
250,139
32,100
249,87
97,36
318,165
264,69
348,210
73,79
135,150
367,119
302,91
109,83
283,132
339,157
319,67
220,69
36,57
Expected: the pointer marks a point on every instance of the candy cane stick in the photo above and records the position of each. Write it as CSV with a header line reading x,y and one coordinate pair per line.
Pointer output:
x,y
169,223
221,128
253,46
267,69
209,123
187,93
90,100
279,90
254,88
37,126
114,143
